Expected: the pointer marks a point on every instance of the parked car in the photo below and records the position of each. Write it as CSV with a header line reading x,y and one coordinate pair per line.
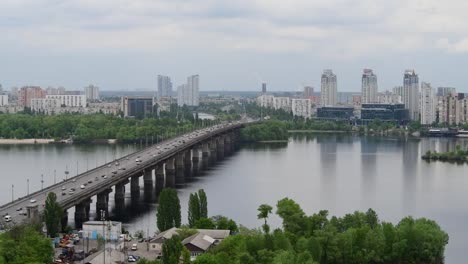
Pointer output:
x,y
82,186
134,247
32,201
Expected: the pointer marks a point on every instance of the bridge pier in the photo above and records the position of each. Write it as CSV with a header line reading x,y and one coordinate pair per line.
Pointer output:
x,y
188,164
205,155
80,214
102,203
170,173
119,196
159,179
135,186
64,221
196,160
220,147
227,145
213,151
148,183
88,208
179,169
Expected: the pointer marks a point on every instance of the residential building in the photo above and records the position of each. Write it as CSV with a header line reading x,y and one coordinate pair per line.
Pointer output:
x,y
388,97
92,92
395,113
68,100
328,88
444,91
264,88
94,229
266,100
369,87
54,91
308,92
335,113
282,103
3,99
398,90
301,107
164,86
49,106
188,94
428,104
451,109
411,93
27,93
137,106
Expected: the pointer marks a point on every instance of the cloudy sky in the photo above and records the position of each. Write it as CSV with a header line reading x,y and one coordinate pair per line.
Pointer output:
x,y
233,45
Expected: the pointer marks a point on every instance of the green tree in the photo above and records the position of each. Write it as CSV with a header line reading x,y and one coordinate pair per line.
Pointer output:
x,y
172,250
264,210
24,244
205,223
193,209
168,212
203,203
53,213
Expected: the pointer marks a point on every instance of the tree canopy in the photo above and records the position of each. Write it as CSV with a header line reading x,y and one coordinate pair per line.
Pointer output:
x,y
168,212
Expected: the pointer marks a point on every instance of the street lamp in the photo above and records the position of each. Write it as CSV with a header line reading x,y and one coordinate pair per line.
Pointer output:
x,y
12,192
28,185
42,181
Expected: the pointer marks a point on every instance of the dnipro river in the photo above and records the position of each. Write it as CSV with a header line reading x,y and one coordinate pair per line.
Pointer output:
x,y
339,173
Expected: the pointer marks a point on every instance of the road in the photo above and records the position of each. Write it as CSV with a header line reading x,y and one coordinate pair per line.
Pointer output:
x,y
89,183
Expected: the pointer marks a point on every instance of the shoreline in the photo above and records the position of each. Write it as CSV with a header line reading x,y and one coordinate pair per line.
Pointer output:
x,y
317,131
40,141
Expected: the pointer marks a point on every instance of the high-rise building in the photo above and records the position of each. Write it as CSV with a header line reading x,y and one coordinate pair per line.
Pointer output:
x,y
164,86
328,88
411,93
73,100
264,90
188,94
428,104
444,91
92,92
308,91
398,90
282,103
3,99
27,93
369,87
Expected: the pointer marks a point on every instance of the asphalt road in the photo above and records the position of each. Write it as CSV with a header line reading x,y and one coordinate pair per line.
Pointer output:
x,y
105,175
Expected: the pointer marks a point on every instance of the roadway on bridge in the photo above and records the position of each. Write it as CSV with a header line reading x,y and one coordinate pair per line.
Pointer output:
x,y
77,185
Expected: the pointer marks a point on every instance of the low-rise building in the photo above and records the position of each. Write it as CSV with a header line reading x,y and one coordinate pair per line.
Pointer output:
x,y
70,100
111,230
335,113
385,112
133,106
49,106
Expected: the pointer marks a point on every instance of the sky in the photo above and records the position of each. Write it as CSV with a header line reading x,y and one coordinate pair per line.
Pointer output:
x,y
232,45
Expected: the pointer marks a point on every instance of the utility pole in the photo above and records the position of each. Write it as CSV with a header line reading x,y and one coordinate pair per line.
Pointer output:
x,y
55,177
103,216
42,182
28,185
12,192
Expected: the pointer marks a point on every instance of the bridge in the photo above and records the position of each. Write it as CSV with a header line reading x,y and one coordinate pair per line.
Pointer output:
x,y
162,165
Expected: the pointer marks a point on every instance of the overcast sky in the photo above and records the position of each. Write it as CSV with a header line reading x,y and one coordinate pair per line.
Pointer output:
x,y
233,45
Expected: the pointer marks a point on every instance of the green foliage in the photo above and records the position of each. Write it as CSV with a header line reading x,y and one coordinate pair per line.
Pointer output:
x,y
145,261
203,203
168,213
264,210
24,244
268,130
458,155
205,223
85,128
193,209
52,214
353,239
224,223
139,234
172,250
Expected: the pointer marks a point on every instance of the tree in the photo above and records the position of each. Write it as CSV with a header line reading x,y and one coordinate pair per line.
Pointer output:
x,y
52,214
168,212
172,250
193,209
24,244
264,210
203,203
205,223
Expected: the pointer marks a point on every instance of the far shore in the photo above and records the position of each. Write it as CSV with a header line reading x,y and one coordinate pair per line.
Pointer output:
x,y
32,141
317,131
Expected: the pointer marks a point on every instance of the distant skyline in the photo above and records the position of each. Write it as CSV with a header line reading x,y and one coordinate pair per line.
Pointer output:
x,y
235,45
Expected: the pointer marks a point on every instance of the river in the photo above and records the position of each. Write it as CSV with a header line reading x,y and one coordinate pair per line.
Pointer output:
x,y
339,173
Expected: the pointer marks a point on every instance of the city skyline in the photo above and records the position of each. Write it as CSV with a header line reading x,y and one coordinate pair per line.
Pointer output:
x,y
234,45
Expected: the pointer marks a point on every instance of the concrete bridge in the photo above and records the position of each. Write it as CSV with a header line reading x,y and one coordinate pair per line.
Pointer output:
x,y
162,165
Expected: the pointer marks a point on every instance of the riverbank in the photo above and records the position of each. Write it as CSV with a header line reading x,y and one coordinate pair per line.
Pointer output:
x,y
458,155
5,141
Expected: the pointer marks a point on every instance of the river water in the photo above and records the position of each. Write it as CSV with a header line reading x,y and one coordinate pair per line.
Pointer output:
x,y
339,173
